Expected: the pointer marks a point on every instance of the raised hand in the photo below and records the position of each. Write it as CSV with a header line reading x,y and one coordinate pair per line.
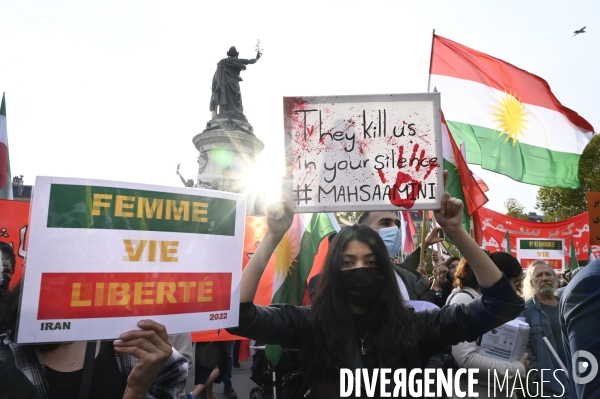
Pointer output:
x,y
433,237
279,218
442,272
152,348
449,217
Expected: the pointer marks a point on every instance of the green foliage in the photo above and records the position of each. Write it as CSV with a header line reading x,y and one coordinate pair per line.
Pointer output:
x,y
560,203
515,209
564,203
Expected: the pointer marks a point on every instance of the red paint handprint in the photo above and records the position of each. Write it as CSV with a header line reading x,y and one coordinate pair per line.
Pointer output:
x,y
409,184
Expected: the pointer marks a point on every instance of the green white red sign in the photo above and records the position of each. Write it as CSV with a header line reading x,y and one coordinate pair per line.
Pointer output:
x,y
104,255
551,251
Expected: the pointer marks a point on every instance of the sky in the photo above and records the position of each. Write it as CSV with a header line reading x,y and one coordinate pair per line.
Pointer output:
x,y
116,90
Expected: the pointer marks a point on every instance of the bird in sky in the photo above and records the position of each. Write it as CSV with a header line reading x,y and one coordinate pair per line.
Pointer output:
x,y
582,30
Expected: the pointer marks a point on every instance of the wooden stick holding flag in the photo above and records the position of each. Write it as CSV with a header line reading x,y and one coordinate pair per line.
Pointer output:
x,y
5,179
424,226
574,263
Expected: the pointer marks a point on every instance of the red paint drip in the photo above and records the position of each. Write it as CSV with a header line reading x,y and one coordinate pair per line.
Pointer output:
x,y
382,176
415,149
420,160
432,166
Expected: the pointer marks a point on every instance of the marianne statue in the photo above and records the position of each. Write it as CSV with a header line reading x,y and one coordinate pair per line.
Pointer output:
x,y
226,97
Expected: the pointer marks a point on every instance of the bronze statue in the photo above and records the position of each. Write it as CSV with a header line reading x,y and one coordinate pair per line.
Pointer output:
x,y
188,183
226,96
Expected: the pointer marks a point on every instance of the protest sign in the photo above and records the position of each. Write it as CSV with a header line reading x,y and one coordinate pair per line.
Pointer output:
x,y
593,201
104,255
507,342
360,153
495,225
13,231
549,250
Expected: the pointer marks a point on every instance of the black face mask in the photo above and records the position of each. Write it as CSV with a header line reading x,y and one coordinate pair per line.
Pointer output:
x,y
362,286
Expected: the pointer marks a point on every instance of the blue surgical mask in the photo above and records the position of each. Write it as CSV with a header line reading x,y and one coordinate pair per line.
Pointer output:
x,y
391,238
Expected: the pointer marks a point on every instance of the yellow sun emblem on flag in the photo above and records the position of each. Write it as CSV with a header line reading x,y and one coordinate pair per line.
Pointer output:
x,y
510,117
285,256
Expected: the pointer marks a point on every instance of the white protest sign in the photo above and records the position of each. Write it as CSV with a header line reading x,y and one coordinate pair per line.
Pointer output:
x,y
506,342
550,250
103,255
360,153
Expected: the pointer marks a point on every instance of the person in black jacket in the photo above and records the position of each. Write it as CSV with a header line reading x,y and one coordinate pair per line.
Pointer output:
x,y
387,224
357,319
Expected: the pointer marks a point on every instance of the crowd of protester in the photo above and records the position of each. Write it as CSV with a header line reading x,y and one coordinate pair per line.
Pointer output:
x,y
362,316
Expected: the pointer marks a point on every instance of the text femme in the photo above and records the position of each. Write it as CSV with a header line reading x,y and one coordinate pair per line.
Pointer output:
x,y
150,208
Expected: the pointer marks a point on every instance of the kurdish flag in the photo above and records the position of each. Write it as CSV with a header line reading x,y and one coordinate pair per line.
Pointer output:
x,y
295,255
460,183
510,120
5,179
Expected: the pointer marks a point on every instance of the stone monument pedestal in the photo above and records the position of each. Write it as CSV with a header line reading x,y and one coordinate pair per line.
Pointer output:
x,y
227,153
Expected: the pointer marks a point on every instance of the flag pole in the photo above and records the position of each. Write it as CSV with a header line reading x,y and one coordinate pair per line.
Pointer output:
x,y
430,62
423,235
438,245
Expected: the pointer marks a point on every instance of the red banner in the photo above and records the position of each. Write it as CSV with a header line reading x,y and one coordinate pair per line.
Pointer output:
x,y
495,225
97,295
14,217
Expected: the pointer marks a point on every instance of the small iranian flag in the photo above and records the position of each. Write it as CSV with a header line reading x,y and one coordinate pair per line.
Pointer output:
x,y
294,259
407,227
573,255
506,244
509,118
5,179
460,183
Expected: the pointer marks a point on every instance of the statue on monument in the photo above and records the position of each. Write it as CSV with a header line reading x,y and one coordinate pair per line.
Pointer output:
x,y
226,96
188,183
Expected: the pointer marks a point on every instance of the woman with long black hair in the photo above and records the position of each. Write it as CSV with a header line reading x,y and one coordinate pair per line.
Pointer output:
x,y
358,319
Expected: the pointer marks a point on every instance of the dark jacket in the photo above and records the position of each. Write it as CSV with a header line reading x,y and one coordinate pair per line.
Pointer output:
x,y
579,309
284,325
540,357
416,285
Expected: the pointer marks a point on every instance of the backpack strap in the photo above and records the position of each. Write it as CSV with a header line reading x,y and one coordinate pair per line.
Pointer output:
x,y
460,292
88,370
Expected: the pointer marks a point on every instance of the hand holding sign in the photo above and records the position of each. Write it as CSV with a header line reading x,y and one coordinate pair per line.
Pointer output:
x,y
279,218
449,217
152,348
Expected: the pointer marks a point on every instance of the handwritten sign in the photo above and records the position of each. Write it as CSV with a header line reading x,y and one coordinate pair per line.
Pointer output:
x,y
593,200
103,255
550,251
379,152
